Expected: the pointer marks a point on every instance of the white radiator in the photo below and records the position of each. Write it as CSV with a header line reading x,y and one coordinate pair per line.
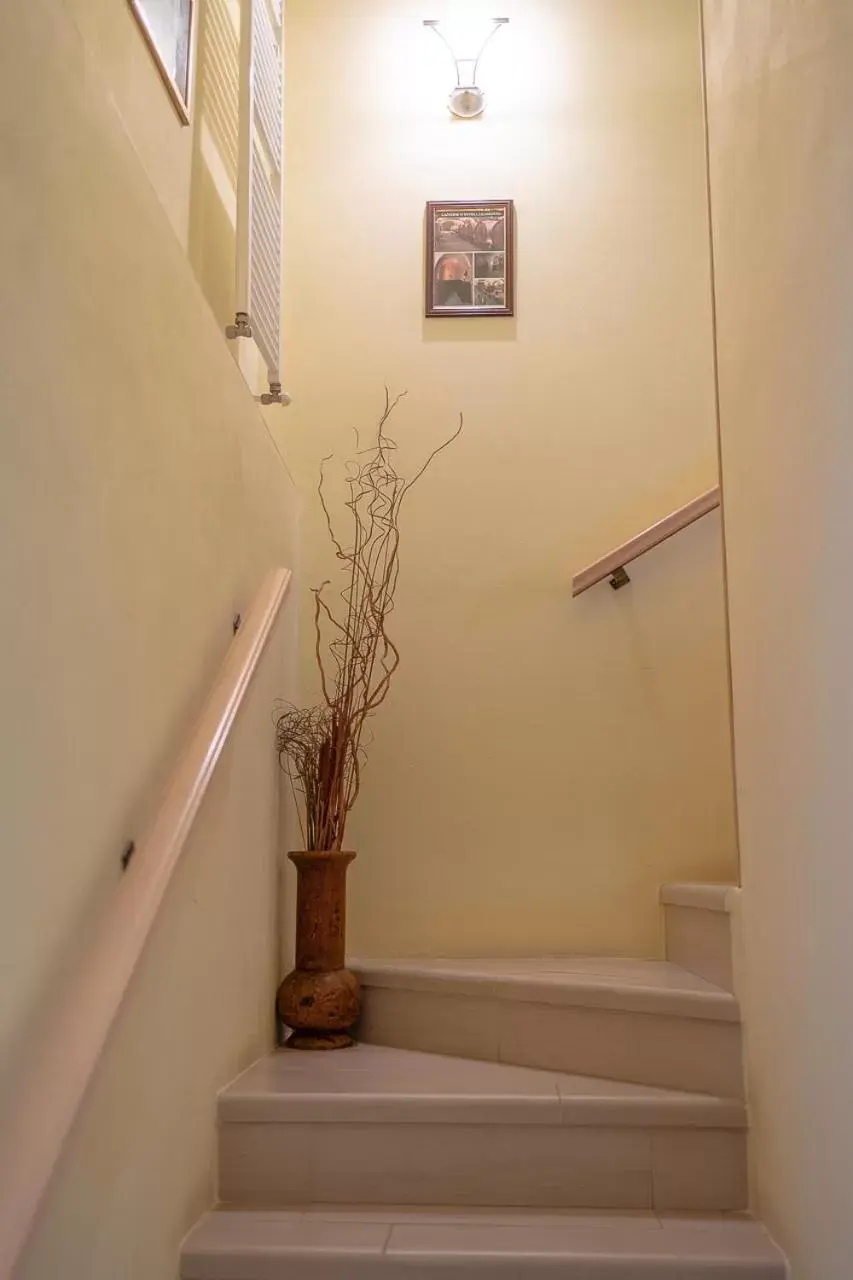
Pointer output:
x,y
259,186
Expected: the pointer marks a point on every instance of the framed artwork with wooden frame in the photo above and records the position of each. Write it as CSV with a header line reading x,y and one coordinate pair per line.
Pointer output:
x,y
470,258
168,29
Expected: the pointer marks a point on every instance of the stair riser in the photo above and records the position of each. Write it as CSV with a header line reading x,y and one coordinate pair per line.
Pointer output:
x,y
701,942
529,1166
702,1055
351,1267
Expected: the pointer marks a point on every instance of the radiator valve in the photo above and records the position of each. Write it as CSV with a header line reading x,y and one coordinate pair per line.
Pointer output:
x,y
241,328
275,395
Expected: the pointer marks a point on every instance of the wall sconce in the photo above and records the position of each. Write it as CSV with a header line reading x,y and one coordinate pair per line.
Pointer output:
x,y
467,100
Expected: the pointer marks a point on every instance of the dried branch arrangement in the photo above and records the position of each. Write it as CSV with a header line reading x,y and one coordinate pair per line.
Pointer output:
x,y
321,748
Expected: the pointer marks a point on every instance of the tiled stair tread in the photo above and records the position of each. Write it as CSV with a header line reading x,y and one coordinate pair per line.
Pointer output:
x,y
638,986
702,897
358,1242
370,1084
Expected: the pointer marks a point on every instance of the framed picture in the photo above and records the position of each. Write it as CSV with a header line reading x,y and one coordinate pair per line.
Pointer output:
x,y
470,258
167,26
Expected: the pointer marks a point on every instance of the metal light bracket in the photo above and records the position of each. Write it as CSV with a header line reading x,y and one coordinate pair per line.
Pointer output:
x,y
467,100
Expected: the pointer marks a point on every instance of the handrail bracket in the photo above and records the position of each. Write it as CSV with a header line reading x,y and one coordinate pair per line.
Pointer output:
x,y
612,566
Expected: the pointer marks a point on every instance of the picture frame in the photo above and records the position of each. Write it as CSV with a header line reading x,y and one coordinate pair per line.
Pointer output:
x,y
168,28
470,258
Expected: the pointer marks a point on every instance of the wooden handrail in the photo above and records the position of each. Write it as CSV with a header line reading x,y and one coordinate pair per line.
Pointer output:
x,y
609,566
38,1118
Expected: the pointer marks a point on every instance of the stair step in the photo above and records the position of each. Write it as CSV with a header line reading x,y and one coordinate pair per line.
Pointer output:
x,y
357,1243
372,1084
647,1021
700,897
630,986
698,929
298,1127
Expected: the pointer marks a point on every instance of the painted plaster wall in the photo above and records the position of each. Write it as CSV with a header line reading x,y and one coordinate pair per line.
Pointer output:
x,y
542,765
781,125
142,498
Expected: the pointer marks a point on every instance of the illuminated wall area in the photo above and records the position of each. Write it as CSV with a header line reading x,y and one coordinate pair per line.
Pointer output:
x,y
542,764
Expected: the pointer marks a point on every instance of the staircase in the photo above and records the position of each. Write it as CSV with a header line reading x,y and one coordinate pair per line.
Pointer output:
x,y
577,1118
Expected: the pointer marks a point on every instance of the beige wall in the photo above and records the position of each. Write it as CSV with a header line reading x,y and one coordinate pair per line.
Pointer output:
x,y
542,765
781,118
142,495
140,1166
115,60
193,169
211,235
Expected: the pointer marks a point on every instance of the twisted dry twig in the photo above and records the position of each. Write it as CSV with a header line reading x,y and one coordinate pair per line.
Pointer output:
x,y
321,748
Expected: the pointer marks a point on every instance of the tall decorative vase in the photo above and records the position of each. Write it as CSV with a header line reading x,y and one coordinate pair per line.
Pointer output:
x,y
320,1000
